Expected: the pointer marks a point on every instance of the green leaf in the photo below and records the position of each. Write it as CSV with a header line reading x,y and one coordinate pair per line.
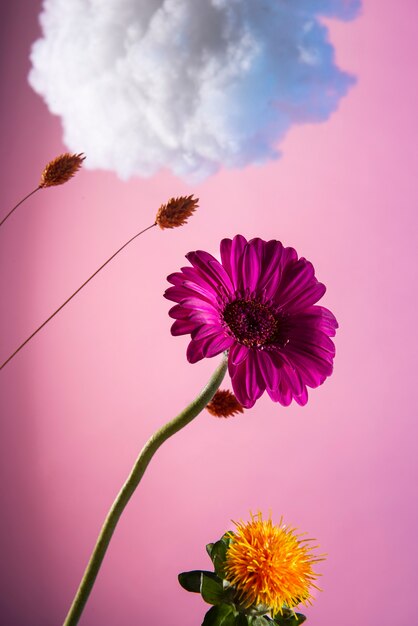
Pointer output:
x,y
227,537
289,619
258,620
218,556
241,620
221,615
209,549
211,589
191,581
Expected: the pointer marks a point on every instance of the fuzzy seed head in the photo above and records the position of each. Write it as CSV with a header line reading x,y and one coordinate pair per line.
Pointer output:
x,y
176,212
224,404
61,169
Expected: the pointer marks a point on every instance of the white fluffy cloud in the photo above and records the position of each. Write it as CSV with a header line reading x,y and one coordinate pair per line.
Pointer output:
x,y
189,85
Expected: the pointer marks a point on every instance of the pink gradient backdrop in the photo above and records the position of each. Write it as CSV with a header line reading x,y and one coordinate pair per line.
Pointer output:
x,y
80,401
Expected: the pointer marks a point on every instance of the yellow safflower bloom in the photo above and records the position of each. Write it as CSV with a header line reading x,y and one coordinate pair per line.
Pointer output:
x,y
270,565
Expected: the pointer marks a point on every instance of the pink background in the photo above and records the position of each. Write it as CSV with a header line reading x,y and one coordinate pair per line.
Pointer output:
x,y
79,402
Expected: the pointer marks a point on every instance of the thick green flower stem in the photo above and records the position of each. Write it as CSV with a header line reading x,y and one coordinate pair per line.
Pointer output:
x,y
141,464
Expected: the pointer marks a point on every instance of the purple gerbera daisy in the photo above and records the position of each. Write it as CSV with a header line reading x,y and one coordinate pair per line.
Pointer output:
x,y
259,304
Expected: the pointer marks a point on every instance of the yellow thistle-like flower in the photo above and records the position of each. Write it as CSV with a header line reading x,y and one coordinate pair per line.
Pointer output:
x,y
61,169
270,565
224,404
176,212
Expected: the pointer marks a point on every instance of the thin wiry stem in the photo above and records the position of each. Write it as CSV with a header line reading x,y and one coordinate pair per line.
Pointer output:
x,y
74,294
125,494
19,203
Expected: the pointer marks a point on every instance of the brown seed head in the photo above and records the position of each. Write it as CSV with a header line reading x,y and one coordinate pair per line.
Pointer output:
x,y
176,212
224,404
61,169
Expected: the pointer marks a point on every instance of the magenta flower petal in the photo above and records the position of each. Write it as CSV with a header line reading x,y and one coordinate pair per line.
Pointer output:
x,y
207,347
247,381
195,303
205,330
182,327
218,344
270,366
211,269
179,312
260,304
298,288
303,398
231,255
189,289
272,267
294,381
238,354
190,276
251,265
196,350
282,393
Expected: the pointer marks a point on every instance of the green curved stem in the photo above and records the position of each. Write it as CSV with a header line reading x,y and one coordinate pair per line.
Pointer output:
x,y
122,499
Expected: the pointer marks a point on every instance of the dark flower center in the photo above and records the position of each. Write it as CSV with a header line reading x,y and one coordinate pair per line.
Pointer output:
x,y
252,323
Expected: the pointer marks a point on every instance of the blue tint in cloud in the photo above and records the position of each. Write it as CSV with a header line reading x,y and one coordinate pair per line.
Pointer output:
x,y
188,85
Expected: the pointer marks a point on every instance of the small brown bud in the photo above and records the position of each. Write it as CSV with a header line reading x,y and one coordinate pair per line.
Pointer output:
x,y
61,169
176,211
224,404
